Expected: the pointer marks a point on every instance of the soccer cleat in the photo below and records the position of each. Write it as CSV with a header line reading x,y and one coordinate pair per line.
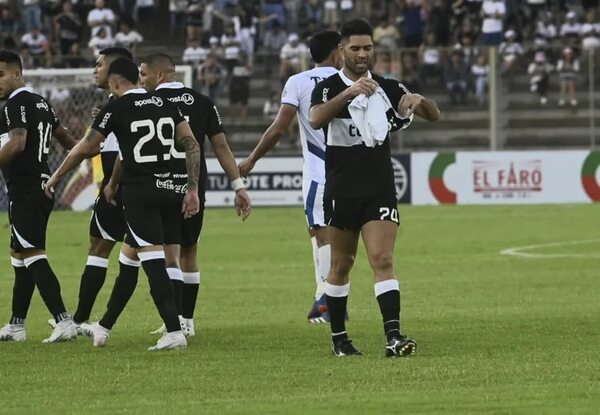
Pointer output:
x,y
65,330
400,346
170,341
13,333
318,313
52,323
163,329
344,347
188,327
96,332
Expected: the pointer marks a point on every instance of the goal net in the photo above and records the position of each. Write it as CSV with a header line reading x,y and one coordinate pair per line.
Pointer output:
x,y
73,94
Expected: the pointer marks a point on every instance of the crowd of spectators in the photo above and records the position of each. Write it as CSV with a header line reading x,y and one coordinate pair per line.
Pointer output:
x,y
426,43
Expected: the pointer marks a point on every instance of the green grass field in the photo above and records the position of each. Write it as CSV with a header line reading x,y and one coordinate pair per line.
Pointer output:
x,y
496,334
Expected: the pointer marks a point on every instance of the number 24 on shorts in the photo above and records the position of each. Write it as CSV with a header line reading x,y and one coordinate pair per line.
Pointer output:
x,y
386,213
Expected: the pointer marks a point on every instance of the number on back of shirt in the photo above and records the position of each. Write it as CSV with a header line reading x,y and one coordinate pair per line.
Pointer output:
x,y
45,133
386,213
152,131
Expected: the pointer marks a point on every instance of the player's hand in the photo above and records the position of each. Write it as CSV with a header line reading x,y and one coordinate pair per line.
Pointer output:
x,y
243,204
50,185
110,192
191,203
245,167
364,85
408,103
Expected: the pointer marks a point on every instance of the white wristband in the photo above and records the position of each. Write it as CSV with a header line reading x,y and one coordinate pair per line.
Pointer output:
x,y
238,184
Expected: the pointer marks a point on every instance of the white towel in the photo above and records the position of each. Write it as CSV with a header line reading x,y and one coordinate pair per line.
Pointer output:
x,y
369,116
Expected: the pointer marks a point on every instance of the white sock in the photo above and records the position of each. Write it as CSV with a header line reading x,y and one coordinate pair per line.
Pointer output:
x,y
315,255
324,264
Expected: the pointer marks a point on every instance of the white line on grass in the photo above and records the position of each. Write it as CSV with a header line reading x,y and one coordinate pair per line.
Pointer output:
x,y
519,251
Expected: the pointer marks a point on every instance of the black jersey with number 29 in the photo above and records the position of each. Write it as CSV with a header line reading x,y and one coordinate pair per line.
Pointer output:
x,y
144,125
29,171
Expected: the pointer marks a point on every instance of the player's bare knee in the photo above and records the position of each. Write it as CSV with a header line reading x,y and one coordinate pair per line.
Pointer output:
x,y
341,266
382,261
100,247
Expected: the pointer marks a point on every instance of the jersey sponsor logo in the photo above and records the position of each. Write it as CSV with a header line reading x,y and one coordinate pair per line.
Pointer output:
x,y
187,99
7,117
105,120
325,93
170,185
400,178
42,106
149,101
23,117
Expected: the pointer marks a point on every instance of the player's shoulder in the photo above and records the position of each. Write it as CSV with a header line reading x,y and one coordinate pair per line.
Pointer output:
x,y
389,84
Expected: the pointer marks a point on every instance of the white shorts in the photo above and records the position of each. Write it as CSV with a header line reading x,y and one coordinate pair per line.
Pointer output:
x,y
312,193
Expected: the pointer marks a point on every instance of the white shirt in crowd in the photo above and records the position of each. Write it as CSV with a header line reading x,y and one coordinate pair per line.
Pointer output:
x,y
491,23
98,43
128,40
36,45
294,54
99,15
570,29
194,56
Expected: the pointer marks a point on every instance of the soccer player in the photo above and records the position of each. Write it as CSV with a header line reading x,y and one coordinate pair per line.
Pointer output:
x,y
157,73
295,99
107,225
146,126
27,124
360,196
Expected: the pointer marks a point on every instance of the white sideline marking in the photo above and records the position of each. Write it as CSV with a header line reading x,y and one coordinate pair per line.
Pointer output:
x,y
518,251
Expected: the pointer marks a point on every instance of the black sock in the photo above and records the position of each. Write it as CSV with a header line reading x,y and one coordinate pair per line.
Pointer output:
x,y
337,299
161,289
47,284
176,277
92,280
22,292
388,297
121,294
191,286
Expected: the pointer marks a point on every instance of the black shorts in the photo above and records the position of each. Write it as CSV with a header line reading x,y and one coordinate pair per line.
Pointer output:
x,y
152,215
353,213
192,227
239,90
28,217
108,221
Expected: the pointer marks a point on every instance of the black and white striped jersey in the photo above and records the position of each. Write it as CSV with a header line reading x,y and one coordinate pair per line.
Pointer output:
x,y
351,168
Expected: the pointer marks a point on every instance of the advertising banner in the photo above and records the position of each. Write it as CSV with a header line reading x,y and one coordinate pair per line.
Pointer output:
x,y
526,177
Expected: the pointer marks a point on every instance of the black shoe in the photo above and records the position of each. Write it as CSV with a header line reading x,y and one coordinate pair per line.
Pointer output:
x,y
344,348
400,346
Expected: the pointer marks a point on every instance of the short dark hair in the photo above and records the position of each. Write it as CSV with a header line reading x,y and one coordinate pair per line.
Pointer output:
x,y
11,58
117,52
356,27
125,68
322,43
159,58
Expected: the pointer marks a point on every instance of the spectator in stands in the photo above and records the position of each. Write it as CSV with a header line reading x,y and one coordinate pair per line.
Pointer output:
x,y
467,28
292,58
430,60
101,17
309,31
99,41
590,32
232,53
26,58
275,7
128,37
567,68
145,17
412,12
211,75
195,19
545,30
68,29
570,31
383,65
479,72
364,8
438,21
271,106
493,12
239,90
536,7
274,40
331,16
9,26
510,52
590,5
32,14
177,13
313,11
38,47
194,54
456,76
230,35
385,34
540,70
215,48
346,10
468,48
409,73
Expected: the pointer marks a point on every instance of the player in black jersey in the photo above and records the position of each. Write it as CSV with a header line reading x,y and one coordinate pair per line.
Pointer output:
x,y
27,123
157,73
360,196
146,127
107,225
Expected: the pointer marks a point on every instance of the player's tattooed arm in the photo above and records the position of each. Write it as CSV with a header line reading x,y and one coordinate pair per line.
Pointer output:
x,y
65,137
17,138
184,138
